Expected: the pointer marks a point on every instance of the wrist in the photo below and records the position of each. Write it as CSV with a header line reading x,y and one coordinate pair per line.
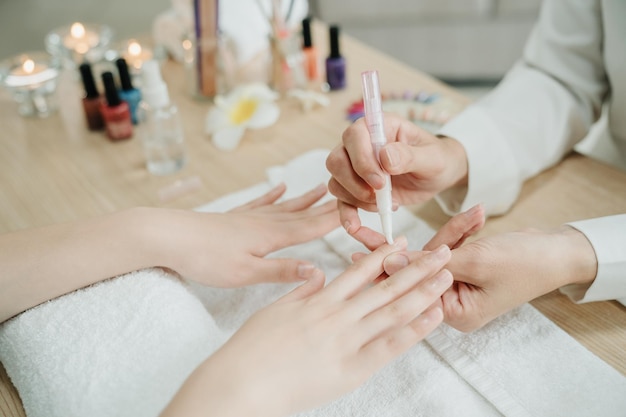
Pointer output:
x,y
222,387
580,257
145,228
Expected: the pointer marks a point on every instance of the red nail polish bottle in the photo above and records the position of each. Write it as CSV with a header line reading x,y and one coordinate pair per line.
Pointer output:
x,y
91,100
115,112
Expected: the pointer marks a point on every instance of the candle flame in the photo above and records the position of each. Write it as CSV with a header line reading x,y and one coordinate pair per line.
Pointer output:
x,y
77,30
28,66
134,49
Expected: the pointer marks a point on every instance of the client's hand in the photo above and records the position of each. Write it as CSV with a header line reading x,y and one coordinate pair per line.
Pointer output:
x,y
229,249
316,343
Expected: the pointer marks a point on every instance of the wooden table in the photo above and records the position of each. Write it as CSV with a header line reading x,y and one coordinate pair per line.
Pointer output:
x,y
54,170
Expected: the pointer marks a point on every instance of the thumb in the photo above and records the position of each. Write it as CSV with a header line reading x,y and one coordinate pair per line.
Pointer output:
x,y
398,158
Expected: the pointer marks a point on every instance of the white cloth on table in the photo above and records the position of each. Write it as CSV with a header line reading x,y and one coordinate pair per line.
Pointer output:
x,y
124,346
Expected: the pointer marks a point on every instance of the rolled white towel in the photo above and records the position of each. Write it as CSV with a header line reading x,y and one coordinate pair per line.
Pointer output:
x,y
122,347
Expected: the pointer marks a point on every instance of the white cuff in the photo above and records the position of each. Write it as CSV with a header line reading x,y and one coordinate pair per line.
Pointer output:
x,y
607,236
493,176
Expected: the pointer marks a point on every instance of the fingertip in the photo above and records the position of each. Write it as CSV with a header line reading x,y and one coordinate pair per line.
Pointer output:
x,y
433,316
400,242
395,262
305,271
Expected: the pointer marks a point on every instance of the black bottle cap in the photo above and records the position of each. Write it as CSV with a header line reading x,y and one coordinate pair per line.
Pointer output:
x,y
113,99
122,68
334,42
307,42
90,85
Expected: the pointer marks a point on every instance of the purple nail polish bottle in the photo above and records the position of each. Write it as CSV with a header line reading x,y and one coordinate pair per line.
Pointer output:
x,y
335,63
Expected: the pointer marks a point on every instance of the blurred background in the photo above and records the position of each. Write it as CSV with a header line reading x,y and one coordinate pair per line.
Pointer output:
x,y
467,43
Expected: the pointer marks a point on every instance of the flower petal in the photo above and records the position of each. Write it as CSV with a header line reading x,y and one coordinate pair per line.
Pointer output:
x,y
228,138
216,119
265,115
259,91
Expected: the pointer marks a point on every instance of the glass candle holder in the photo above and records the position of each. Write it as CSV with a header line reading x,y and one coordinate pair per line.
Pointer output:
x,y
79,42
32,79
224,72
135,52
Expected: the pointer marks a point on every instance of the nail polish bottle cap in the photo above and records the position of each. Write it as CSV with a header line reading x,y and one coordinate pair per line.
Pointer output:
x,y
125,80
153,87
334,42
307,42
91,91
113,99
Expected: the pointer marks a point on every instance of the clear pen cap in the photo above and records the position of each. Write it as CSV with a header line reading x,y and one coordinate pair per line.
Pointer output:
x,y
373,108
371,92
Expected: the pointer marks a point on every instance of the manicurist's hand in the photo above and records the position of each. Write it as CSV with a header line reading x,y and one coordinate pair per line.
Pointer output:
x,y
229,249
317,343
495,274
420,164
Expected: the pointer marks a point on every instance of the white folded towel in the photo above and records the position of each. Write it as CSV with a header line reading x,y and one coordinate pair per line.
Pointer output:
x,y
124,346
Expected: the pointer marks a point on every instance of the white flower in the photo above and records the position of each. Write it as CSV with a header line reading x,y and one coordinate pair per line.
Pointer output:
x,y
249,106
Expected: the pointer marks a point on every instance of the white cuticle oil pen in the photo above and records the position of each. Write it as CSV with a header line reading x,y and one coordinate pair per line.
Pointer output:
x,y
374,120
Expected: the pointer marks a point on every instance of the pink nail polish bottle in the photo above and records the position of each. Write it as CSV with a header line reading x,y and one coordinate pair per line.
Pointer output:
x,y
115,112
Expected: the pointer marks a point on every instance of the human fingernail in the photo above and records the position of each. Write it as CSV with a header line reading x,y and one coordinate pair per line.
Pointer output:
x,y
347,226
441,252
395,262
305,271
471,211
320,187
443,279
392,156
433,315
376,180
400,241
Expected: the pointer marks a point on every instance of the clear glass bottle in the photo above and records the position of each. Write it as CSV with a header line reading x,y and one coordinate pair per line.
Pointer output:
x,y
161,131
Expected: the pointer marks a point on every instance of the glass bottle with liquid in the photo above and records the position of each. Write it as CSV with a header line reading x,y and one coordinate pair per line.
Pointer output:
x,y
161,131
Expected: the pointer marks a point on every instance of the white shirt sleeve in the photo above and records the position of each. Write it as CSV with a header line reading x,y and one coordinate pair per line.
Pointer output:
x,y
607,235
542,108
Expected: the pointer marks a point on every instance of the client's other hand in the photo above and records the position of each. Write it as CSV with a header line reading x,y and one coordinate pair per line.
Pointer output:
x,y
316,343
229,249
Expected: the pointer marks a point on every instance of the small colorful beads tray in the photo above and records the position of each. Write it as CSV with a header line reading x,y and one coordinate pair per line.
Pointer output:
x,y
428,110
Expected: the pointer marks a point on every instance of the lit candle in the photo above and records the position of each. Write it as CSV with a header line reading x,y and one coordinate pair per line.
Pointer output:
x,y
79,42
32,80
80,39
135,54
30,74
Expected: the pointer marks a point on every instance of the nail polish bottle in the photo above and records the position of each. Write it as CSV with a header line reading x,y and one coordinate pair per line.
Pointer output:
x,y
128,93
335,63
115,112
160,129
91,100
311,59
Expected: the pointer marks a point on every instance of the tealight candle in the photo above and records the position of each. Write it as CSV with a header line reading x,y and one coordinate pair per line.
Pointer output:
x,y
79,39
32,80
136,54
79,42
